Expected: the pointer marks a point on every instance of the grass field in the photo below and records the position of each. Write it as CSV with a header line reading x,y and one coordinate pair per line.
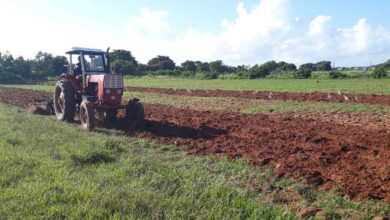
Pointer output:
x,y
366,86
54,170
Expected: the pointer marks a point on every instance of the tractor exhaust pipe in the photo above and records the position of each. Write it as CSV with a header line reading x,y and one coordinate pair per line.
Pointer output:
x,y
108,60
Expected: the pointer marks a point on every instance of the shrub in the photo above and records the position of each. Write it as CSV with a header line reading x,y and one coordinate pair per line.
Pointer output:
x,y
337,74
379,72
206,75
302,73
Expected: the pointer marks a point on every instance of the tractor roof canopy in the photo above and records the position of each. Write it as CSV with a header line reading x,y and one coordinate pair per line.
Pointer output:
x,y
78,50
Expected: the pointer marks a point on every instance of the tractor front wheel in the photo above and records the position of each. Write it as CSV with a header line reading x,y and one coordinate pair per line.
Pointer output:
x,y
87,115
135,115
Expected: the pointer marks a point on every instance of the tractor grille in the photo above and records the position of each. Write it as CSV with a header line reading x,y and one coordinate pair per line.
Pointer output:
x,y
113,81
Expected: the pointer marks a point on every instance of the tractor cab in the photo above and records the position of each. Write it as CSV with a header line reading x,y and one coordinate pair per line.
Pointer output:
x,y
89,62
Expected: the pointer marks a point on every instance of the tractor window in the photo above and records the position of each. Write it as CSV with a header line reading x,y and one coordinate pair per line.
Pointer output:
x,y
94,63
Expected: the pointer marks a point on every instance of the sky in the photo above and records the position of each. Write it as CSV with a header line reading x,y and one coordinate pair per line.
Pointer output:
x,y
247,32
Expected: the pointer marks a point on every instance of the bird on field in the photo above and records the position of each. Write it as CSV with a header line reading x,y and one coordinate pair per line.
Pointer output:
x,y
338,92
346,98
189,91
329,96
356,98
270,95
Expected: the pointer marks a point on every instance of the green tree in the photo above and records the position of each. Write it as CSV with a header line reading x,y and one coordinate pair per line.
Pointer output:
x,y
189,66
258,72
202,66
43,65
123,62
379,72
302,73
161,63
310,66
217,67
323,66
123,67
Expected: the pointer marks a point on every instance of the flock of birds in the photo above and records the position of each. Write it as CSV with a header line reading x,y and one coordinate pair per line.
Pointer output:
x,y
271,95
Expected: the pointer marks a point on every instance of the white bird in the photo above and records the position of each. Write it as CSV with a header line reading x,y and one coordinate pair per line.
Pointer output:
x,y
270,95
189,91
329,96
338,92
356,98
346,98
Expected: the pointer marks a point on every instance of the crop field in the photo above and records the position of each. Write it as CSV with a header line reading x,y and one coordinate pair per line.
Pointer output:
x,y
230,149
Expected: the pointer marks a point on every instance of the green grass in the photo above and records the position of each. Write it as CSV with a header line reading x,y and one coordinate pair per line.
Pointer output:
x,y
364,86
54,170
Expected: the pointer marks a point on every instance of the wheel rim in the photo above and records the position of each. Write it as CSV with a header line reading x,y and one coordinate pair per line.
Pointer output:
x,y
83,116
59,101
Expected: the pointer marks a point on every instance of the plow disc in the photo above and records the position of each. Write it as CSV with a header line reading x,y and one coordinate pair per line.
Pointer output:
x,y
41,107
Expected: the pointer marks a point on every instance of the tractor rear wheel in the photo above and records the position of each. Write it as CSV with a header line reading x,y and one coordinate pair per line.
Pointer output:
x,y
135,115
64,101
87,115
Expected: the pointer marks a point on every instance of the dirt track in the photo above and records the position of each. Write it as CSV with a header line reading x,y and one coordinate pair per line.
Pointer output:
x,y
326,152
326,97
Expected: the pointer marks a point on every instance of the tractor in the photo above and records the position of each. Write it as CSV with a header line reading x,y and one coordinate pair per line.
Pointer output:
x,y
95,92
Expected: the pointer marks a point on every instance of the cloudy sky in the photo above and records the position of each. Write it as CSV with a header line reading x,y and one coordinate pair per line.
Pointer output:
x,y
347,32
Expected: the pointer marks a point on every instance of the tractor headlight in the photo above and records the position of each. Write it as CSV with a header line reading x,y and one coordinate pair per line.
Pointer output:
x,y
119,91
107,91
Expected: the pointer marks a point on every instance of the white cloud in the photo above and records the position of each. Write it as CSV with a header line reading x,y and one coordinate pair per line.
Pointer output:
x,y
265,32
246,39
318,26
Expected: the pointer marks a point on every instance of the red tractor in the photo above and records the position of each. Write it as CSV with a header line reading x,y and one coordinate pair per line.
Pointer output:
x,y
90,89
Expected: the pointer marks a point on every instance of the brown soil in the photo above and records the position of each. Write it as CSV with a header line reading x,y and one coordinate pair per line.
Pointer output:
x,y
323,150
315,96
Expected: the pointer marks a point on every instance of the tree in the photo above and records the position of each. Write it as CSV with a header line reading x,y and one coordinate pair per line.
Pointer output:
x,y
379,72
302,73
310,66
161,63
22,67
258,72
202,67
43,65
123,67
286,67
270,66
217,66
124,55
189,66
59,65
123,62
324,66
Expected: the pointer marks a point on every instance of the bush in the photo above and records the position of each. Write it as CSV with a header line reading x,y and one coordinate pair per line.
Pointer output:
x,y
302,73
206,75
163,73
337,75
379,72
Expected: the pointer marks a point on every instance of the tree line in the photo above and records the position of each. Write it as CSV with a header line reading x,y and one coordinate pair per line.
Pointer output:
x,y
44,65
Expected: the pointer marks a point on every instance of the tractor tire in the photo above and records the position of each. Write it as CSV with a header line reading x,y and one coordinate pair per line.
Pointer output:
x,y
64,101
87,115
135,115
